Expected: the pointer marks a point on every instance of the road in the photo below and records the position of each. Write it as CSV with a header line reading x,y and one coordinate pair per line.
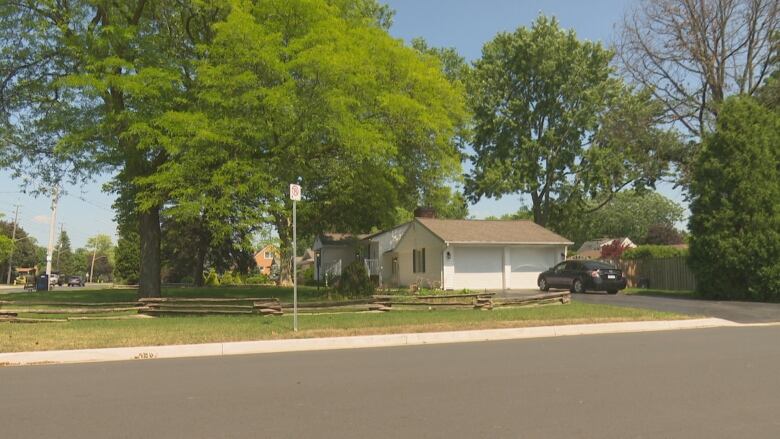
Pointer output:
x,y
741,312
713,383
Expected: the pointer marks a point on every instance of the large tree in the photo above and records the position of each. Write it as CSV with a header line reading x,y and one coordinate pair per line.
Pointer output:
x,y
318,93
693,54
552,121
80,82
735,208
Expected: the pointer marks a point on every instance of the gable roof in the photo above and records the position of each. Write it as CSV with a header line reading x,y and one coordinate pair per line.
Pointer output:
x,y
331,238
266,248
491,232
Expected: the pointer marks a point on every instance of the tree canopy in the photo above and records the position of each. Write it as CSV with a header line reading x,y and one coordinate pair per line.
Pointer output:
x,y
363,123
551,120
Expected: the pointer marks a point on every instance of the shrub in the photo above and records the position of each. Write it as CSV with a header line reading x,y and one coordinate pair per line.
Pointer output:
x,y
735,218
230,278
654,252
354,281
258,279
613,250
211,279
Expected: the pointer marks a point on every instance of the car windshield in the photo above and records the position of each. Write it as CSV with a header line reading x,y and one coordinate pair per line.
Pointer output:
x,y
596,265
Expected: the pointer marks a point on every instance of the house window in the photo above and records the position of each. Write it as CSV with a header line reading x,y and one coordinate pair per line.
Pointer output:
x,y
418,261
268,255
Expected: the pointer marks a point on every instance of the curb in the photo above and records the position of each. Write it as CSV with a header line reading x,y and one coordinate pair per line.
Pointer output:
x,y
354,342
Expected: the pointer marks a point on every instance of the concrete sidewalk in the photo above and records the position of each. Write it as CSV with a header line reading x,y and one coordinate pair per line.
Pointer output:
x,y
367,341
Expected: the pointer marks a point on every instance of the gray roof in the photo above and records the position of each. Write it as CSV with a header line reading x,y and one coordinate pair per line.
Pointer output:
x,y
340,238
491,232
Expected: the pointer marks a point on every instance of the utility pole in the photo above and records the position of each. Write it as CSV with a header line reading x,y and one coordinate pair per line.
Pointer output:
x,y
13,245
55,196
92,267
59,246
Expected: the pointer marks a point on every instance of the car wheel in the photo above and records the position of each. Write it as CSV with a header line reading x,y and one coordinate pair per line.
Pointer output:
x,y
612,291
577,286
543,285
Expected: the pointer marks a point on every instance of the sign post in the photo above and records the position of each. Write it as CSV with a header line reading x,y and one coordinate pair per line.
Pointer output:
x,y
295,196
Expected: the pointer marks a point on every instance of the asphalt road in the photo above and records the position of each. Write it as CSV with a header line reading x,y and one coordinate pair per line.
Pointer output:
x,y
741,312
714,383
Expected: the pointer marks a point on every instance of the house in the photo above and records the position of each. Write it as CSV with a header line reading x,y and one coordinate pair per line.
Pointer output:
x,y
470,254
266,258
336,251
306,261
592,249
460,254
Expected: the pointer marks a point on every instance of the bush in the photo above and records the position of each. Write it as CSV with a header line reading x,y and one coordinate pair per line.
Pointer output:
x,y
735,218
258,279
613,250
354,281
654,252
230,278
211,279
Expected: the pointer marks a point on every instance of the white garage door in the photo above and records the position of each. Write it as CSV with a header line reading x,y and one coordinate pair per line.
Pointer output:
x,y
527,263
479,268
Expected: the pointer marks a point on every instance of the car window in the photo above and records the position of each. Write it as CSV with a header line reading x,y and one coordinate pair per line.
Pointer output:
x,y
598,265
572,266
560,267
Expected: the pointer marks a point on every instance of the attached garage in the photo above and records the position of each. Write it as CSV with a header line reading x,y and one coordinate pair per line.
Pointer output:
x,y
527,262
478,267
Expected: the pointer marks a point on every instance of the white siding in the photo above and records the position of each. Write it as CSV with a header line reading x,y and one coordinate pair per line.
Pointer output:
x,y
479,268
448,273
418,237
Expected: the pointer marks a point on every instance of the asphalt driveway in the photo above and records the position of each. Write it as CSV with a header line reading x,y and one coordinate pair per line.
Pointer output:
x,y
740,312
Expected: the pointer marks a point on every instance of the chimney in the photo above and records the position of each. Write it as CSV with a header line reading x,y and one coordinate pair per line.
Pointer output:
x,y
425,212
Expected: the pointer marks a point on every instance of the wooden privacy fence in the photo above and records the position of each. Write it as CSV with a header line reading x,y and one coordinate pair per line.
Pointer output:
x,y
660,273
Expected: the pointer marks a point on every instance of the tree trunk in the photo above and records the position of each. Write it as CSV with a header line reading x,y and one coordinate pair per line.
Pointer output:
x,y
284,229
149,234
200,262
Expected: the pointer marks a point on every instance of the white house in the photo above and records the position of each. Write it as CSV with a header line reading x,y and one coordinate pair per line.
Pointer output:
x,y
466,254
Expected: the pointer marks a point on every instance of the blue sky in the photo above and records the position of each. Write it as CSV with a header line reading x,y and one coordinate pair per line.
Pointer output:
x,y
463,24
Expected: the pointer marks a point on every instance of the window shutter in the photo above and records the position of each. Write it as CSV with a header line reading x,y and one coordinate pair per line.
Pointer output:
x,y
423,261
414,261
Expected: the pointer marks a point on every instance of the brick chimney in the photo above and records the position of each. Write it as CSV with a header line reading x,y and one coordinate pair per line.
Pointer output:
x,y
425,212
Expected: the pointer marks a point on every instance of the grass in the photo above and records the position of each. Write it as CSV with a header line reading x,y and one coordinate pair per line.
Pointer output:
x,y
20,337
675,294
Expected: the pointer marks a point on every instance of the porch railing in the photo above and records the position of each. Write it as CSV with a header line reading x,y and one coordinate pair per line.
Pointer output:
x,y
372,267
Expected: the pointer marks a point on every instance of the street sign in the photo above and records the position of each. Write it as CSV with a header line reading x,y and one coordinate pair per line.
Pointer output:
x,y
295,192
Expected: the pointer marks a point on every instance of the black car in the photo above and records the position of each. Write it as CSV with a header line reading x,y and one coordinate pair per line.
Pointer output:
x,y
580,276
75,281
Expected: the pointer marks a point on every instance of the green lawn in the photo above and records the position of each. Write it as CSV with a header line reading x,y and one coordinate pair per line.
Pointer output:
x,y
19,337
677,294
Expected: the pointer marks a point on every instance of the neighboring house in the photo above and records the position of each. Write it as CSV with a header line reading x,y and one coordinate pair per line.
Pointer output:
x,y
456,254
266,258
592,249
306,261
336,251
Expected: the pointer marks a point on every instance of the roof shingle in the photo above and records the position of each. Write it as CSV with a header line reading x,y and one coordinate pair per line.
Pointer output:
x,y
492,232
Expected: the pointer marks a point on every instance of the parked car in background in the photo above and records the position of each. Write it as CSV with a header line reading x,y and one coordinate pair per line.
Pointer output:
x,y
581,276
54,279
75,281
